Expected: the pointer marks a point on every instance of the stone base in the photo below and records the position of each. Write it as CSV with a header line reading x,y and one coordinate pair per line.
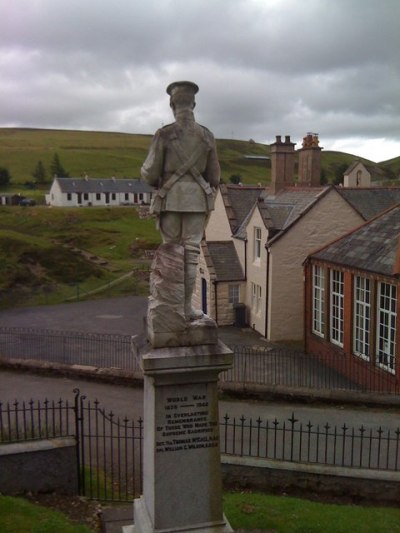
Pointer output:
x,y
143,523
194,333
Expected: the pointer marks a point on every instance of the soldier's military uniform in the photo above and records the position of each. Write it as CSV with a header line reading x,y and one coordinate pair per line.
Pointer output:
x,y
182,164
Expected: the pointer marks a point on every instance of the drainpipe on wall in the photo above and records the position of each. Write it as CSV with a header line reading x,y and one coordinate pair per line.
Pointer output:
x,y
245,259
267,291
215,283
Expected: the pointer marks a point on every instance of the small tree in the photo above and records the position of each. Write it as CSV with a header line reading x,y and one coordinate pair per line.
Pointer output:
x,y
5,177
39,174
57,169
340,169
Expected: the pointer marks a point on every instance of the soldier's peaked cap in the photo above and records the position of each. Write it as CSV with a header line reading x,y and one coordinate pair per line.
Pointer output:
x,y
182,86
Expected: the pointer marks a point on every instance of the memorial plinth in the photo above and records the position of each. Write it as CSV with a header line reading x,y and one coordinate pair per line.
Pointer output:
x,y
182,487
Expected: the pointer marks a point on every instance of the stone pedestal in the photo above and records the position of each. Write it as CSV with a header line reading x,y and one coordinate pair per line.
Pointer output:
x,y
182,488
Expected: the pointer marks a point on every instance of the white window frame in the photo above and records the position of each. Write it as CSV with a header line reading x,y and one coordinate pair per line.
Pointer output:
x,y
253,296
257,243
234,294
318,300
362,317
259,295
336,322
386,326
256,294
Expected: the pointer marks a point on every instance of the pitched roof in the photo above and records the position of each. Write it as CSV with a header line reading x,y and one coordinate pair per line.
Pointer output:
x,y
370,201
238,201
375,172
374,247
86,185
221,257
283,209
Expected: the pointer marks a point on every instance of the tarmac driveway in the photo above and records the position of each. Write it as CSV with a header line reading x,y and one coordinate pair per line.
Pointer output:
x,y
122,316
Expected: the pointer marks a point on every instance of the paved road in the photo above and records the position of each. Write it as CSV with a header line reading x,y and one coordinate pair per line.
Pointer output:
x,y
125,316
113,315
128,401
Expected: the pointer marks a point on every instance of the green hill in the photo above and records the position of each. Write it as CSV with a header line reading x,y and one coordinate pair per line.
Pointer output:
x,y
45,254
53,251
103,154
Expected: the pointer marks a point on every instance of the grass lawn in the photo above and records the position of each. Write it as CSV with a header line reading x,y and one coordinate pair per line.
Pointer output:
x,y
20,516
244,510
283,514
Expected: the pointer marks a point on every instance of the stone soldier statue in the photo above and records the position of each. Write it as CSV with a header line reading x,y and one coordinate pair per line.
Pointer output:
x,y
182,164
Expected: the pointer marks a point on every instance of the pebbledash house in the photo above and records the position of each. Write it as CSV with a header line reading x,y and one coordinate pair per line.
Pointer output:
x,y
352,305
257,239
80,192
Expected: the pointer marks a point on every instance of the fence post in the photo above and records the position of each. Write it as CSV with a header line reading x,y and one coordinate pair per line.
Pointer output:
x,y
80,456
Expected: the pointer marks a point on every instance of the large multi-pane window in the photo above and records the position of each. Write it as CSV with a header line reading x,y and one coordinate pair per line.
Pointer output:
x,y
362,317
318,324
386,326
336,307
257,243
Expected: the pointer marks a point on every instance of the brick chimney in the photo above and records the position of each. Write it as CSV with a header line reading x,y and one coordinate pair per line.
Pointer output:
x,y
282,164
310,161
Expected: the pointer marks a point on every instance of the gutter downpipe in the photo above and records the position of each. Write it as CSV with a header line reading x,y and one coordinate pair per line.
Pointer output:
x,y
267,290
215,282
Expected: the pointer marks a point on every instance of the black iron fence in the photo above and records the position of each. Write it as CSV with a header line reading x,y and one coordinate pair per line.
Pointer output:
x,y
290,368
303,442
69,347
251,365
110,452
109,449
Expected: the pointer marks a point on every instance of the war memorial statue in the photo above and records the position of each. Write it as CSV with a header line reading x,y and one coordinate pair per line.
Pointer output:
x,y
182,477
182,164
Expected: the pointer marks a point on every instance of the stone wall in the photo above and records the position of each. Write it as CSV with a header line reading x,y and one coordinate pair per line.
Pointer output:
x,y
39,466
347,484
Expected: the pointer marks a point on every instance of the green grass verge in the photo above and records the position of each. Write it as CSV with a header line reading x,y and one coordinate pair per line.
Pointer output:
x,y
20,516
281,514
284,514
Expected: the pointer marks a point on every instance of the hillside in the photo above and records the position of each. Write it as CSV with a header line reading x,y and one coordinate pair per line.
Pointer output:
x,y
49,254
102,154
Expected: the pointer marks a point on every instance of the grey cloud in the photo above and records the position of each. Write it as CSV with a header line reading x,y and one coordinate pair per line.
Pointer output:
x,y
264,67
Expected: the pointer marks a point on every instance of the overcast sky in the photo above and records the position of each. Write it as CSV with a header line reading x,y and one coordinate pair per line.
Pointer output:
x,y
264,67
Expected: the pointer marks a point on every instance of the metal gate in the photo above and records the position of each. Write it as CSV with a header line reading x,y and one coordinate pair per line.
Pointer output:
x,y
109,452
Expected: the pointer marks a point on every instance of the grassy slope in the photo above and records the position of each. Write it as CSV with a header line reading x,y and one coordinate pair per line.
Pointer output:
x,y
100,154
103,154
243,510
20,516
295,515
38,245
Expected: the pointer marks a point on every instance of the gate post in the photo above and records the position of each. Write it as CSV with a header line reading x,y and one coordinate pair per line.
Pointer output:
x,y
79,437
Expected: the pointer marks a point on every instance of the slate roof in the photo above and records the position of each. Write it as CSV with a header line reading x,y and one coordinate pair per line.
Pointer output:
x,y
374,247
369,202
238,201
223,258
281,210
94,185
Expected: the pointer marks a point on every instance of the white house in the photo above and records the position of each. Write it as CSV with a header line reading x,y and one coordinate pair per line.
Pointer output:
x,y
269,233
76,192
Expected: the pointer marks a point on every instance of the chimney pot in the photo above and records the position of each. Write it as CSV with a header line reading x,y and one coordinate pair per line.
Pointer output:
x,y
287,138
278,138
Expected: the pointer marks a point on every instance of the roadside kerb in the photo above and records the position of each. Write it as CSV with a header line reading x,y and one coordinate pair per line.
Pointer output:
x,y
234,390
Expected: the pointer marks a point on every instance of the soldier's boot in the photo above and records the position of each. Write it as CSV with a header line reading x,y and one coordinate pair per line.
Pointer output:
x,y
191,260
